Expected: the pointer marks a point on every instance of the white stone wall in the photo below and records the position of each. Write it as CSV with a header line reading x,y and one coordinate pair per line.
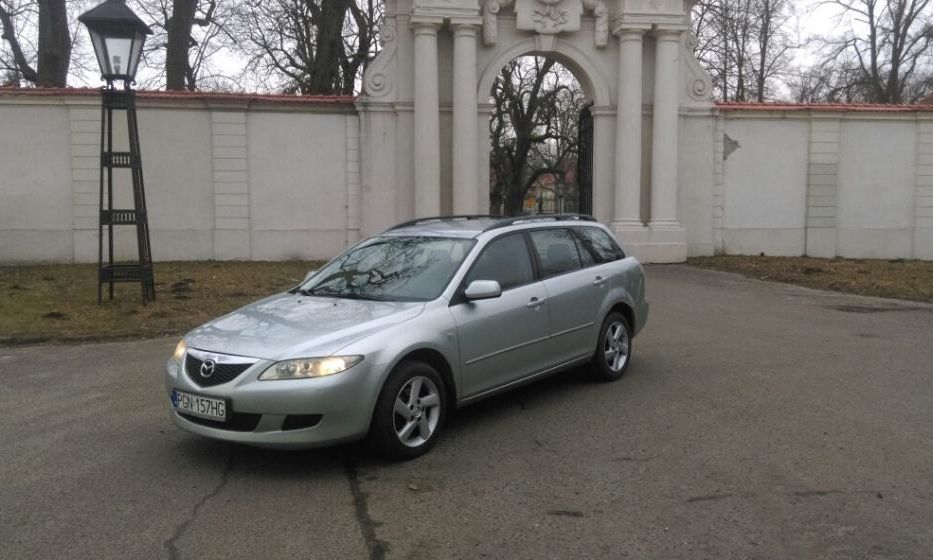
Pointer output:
x,y
226,177
233,177
852,182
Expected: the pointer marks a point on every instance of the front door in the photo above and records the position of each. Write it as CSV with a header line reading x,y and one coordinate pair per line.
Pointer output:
x,y
502,339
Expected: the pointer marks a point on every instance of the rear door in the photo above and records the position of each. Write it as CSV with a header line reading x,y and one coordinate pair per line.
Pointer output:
x,y
502,339
575,293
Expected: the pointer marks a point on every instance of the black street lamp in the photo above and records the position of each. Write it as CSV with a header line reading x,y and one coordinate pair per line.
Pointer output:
x,y
118,36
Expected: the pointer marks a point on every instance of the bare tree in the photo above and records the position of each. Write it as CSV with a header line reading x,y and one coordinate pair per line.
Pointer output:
x,y
188,36
889,47
43,61
309,46
829,81
745,45
533,128
770,20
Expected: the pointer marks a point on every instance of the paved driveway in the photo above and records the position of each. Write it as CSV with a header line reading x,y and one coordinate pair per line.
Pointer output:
x,y
757,421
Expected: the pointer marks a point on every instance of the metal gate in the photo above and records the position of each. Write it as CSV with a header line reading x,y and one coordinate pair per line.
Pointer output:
x,y
585,161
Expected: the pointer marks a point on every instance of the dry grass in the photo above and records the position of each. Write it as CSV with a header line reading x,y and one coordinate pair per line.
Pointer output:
x,y
58,303
902,279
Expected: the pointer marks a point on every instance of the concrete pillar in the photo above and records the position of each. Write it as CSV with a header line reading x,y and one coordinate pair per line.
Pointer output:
x,y
484,147
667,240
626,218
823,185
465,161
427,118
665,129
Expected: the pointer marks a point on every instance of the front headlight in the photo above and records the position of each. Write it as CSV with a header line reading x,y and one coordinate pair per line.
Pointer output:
x,y
304,368
180,350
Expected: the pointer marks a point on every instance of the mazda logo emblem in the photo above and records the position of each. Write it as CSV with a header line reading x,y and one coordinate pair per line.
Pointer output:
x,y
207,368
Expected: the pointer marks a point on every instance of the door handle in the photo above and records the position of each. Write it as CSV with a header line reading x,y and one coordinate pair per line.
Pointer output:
x,y
599,281
535,303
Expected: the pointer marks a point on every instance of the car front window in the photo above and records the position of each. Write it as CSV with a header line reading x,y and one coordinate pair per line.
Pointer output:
x,y
504,260
391,269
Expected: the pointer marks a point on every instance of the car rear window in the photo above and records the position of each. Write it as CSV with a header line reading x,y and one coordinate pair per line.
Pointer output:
x,y
599,244
557,251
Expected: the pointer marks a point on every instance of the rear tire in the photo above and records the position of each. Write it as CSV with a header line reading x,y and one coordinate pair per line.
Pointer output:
x,y
614,348
410,412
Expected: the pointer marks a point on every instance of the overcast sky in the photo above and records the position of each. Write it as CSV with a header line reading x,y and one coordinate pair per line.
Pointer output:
x,y
813,18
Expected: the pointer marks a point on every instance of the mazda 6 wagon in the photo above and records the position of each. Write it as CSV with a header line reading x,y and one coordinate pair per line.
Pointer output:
x,y
388,338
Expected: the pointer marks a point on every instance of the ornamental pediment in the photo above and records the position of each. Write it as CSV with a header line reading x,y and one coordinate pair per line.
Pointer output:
x,y
657,7
446,8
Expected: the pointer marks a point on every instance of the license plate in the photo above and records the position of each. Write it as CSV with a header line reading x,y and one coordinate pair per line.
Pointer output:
x,y
199,405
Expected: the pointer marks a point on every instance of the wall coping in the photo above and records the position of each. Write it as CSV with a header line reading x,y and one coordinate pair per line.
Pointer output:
x,y
824,107
240,101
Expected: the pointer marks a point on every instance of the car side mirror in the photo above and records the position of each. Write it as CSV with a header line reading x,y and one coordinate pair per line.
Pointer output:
x,y
483,289
309,275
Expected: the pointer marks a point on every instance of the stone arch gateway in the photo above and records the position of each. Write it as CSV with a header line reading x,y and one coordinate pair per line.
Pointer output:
x,y
424,111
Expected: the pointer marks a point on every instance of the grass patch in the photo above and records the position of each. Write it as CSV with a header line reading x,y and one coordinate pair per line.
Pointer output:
x,y
902,279
58,303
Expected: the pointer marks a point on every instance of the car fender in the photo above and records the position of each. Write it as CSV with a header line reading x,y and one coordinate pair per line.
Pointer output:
x,y
626,286
435,331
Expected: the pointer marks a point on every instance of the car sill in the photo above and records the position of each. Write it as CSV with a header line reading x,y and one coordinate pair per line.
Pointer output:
x,y
518,382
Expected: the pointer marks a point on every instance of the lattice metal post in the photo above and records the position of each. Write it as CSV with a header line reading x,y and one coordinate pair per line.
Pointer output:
x,y
110,272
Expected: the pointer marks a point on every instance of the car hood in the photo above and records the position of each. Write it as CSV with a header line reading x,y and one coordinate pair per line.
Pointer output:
x,y
296,326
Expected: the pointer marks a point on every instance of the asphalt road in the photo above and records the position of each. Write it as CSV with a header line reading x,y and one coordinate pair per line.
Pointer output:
x,y
756,421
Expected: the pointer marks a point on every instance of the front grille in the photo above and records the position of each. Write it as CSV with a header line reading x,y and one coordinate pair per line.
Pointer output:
x,y
238,422
222,372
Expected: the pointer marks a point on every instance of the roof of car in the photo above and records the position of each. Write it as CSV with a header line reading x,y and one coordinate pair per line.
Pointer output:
x,y
473,225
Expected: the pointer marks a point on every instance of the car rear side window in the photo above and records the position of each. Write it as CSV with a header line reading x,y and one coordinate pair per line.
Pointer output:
x,y
504,260
599,244
557,251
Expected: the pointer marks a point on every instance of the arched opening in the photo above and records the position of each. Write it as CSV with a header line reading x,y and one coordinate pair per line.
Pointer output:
x,y
541,138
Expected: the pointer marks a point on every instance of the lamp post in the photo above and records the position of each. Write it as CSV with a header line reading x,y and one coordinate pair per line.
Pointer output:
x,y
118,36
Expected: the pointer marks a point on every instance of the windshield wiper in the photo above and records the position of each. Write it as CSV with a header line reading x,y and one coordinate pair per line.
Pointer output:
x,y
325,292
360,296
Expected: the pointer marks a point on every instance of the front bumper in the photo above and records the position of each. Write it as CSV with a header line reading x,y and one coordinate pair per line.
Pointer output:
x,y
344,401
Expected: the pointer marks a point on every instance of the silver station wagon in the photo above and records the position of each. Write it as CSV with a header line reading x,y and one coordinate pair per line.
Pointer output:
x,y
392,335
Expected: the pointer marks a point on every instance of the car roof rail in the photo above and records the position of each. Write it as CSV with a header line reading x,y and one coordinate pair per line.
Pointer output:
x,y
516,220
455,218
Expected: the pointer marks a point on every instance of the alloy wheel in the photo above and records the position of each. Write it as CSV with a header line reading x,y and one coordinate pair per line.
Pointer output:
x,y
417,411
616,346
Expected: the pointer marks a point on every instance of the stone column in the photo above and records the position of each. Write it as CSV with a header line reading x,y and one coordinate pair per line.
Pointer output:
x,y
483,147
465,165
665,129
627,193
427,118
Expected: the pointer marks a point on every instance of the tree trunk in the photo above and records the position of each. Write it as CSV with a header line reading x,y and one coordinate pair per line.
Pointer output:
x,y
54,44
514,201
179,42
324,77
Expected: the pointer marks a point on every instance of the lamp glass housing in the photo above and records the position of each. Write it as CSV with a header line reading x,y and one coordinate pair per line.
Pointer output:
x,y
118,51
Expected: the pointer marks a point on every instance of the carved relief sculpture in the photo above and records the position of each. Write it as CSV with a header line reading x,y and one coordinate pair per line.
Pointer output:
x,y
547,17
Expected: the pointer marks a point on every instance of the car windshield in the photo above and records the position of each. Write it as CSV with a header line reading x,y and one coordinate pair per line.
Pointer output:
x,y
391,269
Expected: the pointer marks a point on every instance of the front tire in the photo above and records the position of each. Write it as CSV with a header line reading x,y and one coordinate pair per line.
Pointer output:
x,y
614,351
410,412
